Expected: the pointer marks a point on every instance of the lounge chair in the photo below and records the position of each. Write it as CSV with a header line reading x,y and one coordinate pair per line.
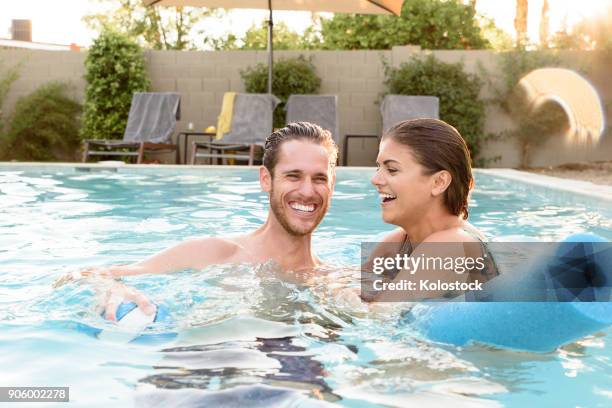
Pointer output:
x,y
151,122
396,108
251,124
319,109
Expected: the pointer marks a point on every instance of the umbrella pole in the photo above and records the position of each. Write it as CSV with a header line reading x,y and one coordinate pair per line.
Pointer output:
x,y
270,50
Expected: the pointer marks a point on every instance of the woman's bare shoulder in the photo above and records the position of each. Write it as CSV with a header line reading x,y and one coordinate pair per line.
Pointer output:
x,y
398,236
384,247
457,234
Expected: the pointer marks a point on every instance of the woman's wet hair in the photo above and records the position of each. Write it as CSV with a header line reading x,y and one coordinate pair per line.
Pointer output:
x,y
438,146
298,131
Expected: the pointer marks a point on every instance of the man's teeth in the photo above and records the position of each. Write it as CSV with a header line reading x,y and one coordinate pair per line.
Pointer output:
x,y
302,207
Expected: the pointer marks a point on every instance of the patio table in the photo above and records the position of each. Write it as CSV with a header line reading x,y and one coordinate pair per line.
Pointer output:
x,y
187,135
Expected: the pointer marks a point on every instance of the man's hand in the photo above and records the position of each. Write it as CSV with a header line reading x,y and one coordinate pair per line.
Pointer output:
x,y
92,272
119,293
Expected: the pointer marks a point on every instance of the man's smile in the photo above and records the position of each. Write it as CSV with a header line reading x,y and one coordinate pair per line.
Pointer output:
x,y
302,207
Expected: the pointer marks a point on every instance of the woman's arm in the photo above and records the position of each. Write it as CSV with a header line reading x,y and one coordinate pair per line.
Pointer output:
x,y
436,250
388,247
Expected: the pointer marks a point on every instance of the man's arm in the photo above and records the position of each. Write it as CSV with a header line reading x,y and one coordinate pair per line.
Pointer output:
x,y
191,254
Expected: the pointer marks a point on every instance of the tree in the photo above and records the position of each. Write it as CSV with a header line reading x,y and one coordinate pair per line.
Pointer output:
x,y
431,24
520,22
458,92
594,33
115,69
160,28
256,38
497,38
544,24
227,42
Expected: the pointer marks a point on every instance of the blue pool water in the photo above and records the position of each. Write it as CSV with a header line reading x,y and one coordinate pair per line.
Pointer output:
x,y
253,334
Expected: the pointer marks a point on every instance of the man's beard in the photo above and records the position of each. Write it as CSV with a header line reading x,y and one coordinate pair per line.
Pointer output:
x,y
276,206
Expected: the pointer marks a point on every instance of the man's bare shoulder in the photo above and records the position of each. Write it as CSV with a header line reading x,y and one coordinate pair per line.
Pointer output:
x,y
213,250
220,243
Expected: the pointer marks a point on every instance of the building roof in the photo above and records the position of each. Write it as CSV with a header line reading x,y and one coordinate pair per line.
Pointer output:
x,y
8,43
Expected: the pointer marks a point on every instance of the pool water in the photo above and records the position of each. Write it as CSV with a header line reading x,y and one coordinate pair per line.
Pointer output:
x,y
253,335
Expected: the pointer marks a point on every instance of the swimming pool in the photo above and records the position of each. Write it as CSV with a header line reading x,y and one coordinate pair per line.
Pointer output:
x,y
250,335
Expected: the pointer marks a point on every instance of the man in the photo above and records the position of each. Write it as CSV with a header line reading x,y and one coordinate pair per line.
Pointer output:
x,y
298,173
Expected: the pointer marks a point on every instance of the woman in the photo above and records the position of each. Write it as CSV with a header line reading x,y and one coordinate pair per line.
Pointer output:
x,y
424,178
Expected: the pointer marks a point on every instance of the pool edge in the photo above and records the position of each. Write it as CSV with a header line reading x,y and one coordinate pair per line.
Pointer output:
x,y
583,188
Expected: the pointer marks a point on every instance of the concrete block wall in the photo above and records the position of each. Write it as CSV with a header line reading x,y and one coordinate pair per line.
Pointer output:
x,y
38,67
202,77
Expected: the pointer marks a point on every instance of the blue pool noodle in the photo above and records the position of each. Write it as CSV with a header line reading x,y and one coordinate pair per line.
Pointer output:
x,y
537,326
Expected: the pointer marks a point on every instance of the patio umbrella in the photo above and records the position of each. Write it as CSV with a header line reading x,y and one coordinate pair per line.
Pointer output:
x,y
334,6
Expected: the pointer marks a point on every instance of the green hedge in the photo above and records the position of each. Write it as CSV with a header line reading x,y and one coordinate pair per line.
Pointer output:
x,y
530,129
290,76
7,77
115,69
457,90
44,126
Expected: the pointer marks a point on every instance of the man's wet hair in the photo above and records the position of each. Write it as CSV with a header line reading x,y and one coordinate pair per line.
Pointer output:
x,y
298,131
